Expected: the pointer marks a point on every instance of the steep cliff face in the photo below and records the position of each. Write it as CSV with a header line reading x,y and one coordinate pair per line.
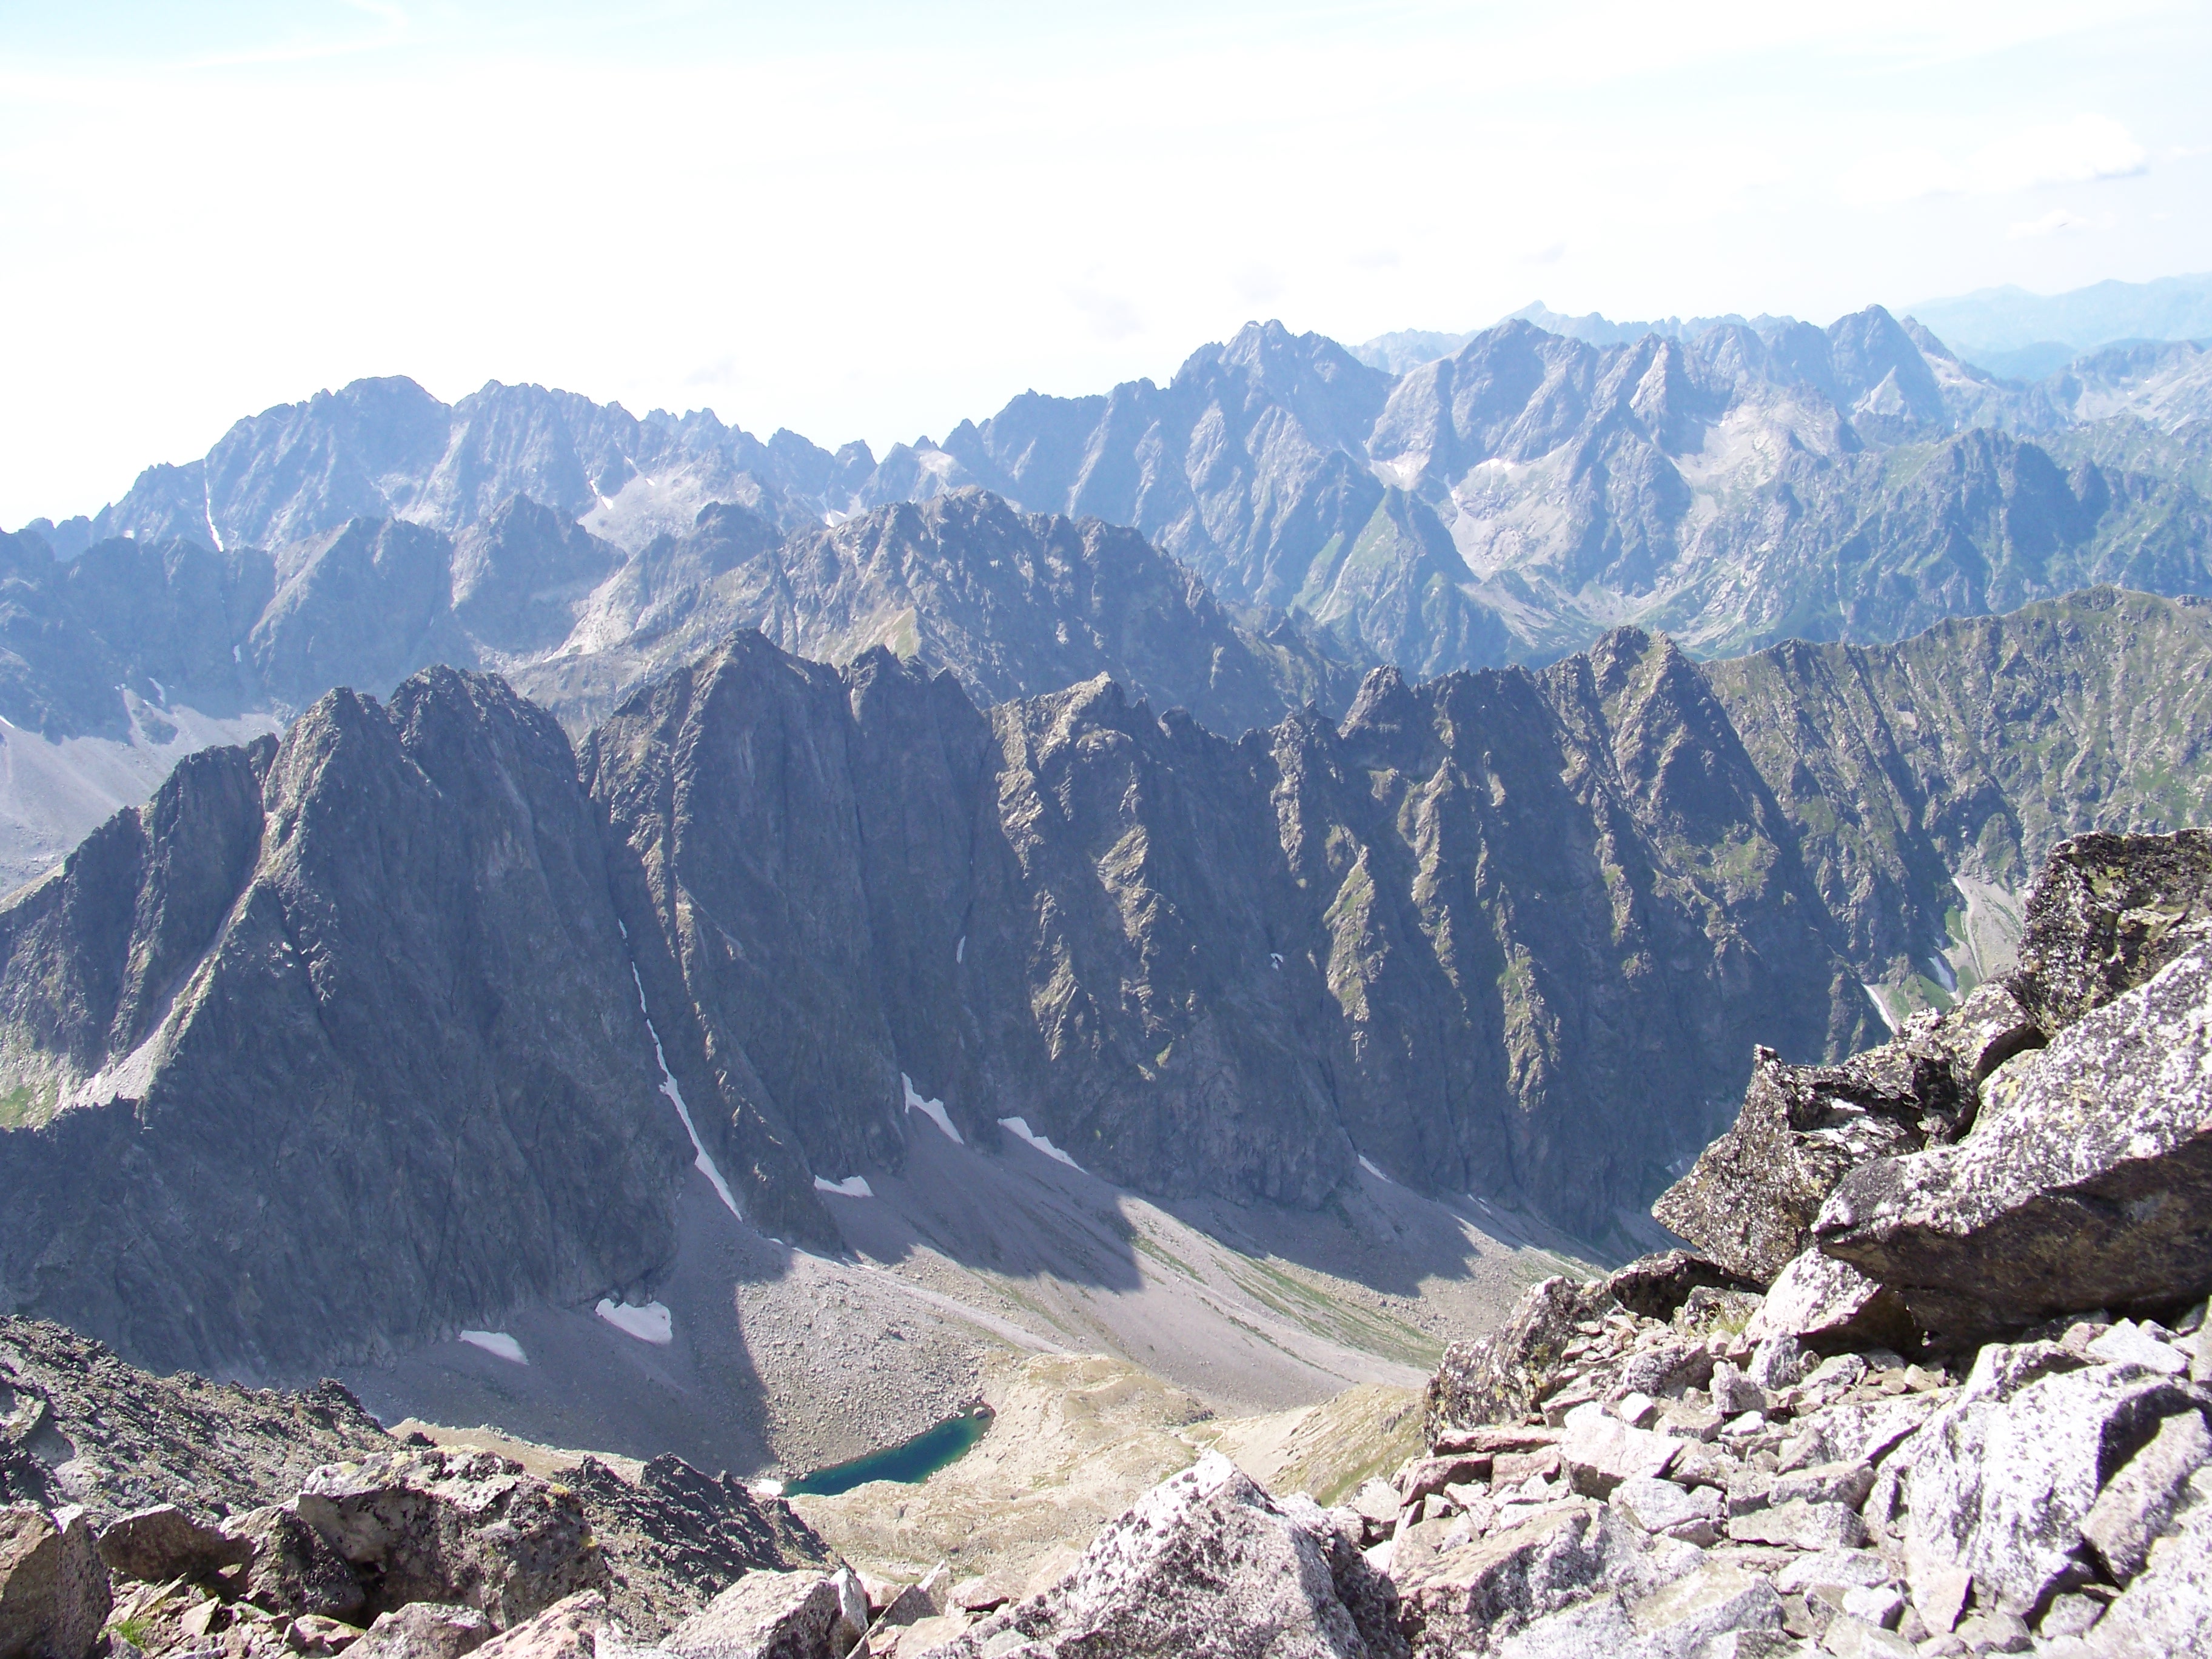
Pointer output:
x,y
338,1043
332,1047
1971,750
1432,936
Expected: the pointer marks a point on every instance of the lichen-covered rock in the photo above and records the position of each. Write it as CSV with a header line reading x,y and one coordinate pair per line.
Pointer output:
x,y
164,1542
295,1571
1749,1202
2089,1189
2000,1480
425,1630
1500,1377
1829,1305
777,1616
54,1592
2106,915
466,1527
1206,1565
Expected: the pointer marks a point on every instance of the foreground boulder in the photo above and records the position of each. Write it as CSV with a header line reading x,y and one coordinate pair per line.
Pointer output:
x,y
777,1616
2000,1482
2090,1187
1206,1565
54,1593
2106,913
164,1542
466,1528
1749,1202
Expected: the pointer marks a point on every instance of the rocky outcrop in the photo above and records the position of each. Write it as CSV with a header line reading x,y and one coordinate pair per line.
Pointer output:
x,y
2108,913
54,1590
1750,1200
218,1507
1204,1565
356,998
432,1525
2032,1152
2090,1187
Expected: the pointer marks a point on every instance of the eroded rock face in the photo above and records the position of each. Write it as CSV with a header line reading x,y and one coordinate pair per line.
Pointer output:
x,y
1750,1200
1205,1566
472,1529
2106,913
776,1615
403,1009
54,1592
164,1542
2089,1189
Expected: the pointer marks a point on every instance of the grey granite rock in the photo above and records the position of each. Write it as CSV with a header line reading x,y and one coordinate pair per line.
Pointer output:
x,y
2138,1503
2001,1481
54,1590
467,1529
164,1542
2087,1191
775,1615
1204,1565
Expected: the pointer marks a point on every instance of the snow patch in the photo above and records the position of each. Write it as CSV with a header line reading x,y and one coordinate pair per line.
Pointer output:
x,y
1276,956
498,1344
1368,1165
960,951
850,1187
1873,995
652,1323
668,1086
1020,1127
933,1110
1944,976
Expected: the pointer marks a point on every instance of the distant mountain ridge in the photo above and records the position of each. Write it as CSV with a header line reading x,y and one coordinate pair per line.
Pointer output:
x,y
1730,482
338,1044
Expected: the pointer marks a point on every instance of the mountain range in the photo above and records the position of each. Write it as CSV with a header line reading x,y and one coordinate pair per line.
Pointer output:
x,y
350,1038
1298,770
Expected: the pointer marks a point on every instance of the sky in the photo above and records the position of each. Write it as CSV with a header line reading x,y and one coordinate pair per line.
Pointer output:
x,y
864,219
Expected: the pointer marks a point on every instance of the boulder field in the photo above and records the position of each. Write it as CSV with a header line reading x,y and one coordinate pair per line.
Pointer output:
x,y
1934,1379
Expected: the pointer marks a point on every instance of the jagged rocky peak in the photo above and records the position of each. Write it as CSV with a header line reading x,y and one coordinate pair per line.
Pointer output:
x,y
321,991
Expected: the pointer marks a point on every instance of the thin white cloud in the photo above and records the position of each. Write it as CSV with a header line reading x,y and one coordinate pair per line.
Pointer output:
x,y
2083,151
2053,223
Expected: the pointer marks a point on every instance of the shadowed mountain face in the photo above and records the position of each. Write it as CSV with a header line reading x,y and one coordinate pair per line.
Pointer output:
x,y
336,1046
337,1043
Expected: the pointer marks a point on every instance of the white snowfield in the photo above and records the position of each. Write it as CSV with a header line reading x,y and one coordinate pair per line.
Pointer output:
x,y
850,1187
1020,1127
1367,1164
933,1110
652,1323
704,1163
497,1343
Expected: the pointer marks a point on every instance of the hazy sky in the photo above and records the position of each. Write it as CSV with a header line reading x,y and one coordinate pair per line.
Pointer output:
x,y
865,220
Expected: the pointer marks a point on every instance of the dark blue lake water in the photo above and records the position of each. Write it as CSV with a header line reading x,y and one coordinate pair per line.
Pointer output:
x,y
911,1462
